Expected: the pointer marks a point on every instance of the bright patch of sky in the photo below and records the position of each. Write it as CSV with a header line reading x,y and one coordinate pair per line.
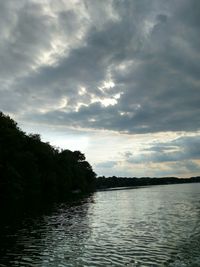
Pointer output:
x,y
118,80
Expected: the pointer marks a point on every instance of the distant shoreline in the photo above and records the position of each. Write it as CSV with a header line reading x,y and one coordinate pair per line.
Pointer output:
x,y
119,183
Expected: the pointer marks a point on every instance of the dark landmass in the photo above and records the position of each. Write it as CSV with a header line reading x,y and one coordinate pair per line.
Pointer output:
x,y
34,172
116,182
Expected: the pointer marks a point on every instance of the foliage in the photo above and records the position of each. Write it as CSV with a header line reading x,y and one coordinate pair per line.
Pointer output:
x,y
113,182
34,171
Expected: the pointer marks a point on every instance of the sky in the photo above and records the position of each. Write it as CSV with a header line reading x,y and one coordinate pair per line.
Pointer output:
x,y
117,79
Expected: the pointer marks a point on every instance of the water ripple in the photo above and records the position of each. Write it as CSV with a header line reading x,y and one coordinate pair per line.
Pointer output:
x,y
141,228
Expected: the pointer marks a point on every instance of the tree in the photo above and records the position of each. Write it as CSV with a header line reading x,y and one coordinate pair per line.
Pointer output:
x,y
33,170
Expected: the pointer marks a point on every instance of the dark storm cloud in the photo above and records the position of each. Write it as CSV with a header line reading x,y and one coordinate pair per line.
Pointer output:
x,y
148,49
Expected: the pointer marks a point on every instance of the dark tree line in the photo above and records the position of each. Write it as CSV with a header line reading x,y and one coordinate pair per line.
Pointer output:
x,y
113,182
34,171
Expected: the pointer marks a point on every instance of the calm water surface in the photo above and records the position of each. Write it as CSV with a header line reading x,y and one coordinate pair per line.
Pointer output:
x,y
152,226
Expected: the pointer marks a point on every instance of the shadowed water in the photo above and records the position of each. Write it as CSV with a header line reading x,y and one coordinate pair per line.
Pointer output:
x,y
151,226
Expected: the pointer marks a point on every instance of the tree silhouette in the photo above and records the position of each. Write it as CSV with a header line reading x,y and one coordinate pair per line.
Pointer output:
x,y
34,171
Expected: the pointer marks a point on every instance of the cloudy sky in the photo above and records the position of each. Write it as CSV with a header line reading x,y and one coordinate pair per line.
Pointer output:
x,y
117,79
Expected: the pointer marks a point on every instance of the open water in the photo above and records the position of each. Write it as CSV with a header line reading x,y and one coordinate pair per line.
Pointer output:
x,y
147,226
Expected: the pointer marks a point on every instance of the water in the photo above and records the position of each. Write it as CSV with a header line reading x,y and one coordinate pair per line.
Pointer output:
x,y
151,226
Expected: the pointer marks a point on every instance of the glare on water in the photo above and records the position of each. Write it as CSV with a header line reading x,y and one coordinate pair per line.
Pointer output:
x,y
149,226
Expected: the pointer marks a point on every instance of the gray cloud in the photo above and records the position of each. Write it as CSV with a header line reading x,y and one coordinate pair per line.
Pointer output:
x,y
27,31
106,164
181,149
148,49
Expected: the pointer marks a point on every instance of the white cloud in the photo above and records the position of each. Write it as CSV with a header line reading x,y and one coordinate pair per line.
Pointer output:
x,y
118,66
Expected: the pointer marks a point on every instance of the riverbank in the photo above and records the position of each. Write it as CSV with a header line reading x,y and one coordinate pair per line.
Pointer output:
x,y
103,183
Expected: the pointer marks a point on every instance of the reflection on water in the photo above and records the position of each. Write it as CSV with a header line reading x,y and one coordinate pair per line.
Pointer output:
x,y
152,226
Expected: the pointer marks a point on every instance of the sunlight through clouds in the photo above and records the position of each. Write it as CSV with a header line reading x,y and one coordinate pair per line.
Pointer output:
x,y
123,73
